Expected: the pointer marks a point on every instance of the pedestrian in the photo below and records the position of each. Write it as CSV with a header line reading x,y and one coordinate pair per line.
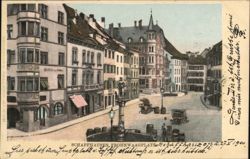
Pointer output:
x,y
164,132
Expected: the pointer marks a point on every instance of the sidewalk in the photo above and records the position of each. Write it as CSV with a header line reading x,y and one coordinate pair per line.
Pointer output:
x,y
207,105
15,133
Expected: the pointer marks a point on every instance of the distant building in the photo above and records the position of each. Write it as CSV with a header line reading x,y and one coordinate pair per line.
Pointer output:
x,y
36,52
213,82
149,40
204,52
197,71
177,68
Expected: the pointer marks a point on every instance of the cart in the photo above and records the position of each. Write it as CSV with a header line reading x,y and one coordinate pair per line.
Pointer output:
x,y
179,116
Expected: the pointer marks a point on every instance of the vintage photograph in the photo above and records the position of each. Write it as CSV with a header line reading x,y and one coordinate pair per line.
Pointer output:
x,y
114,73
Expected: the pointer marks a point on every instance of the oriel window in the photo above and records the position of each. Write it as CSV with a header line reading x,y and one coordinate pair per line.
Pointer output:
x,y
10,31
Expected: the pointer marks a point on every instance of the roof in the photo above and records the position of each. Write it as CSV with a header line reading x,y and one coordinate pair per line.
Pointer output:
x,y
199,60
173,51
216,48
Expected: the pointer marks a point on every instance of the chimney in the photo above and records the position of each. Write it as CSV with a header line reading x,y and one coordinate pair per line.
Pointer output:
x,y
119,25
102,23
140,23
82,15
111,29
135,23
92,18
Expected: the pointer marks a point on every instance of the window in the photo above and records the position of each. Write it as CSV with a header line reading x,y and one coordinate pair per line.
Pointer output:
x,y
60,81
88,54
58,109
109,53
44,57
99,77
121,59
11,99
37,56
74,55
44,34
92,57
30,55
43,10
117,58
27,7
27,84
22,28
10,56
83,77
99,57
11,83
105,53
74,76
129,40
117,70
10,31
43,83
12,9
83,56
113,55
60,17
28,28
60,38
61,58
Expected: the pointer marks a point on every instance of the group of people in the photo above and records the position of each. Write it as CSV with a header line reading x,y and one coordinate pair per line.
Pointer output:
x,y
166,132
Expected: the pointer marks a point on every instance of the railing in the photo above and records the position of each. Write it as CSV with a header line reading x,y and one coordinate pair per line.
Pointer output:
x,y
29,67
27,96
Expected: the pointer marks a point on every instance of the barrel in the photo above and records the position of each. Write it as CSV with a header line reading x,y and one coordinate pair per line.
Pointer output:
x,y
104,129
89,132
156,110
163,110
97,130
149,128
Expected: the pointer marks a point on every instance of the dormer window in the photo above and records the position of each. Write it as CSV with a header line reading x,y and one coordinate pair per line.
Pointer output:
x,y
141,39
129,40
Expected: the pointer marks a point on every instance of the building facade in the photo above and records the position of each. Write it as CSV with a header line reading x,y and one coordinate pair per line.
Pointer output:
x,y
85,57
213,82
36,51
196,77
147,39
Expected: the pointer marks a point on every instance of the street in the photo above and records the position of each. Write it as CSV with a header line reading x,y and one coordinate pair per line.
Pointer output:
x,y
204,124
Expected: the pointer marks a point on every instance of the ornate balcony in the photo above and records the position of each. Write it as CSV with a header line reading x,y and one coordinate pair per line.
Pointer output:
x,y
29,67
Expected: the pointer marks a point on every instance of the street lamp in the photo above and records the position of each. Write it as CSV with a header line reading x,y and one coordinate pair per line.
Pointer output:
x,y
111,116
162,91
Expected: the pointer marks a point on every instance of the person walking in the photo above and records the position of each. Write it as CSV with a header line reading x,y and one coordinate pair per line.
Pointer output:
x,y
164,132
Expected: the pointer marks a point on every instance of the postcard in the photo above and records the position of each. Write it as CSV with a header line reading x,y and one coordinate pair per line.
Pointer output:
x,y
124,79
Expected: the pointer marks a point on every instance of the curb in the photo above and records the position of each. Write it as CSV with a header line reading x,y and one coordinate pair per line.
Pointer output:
x,y
207,106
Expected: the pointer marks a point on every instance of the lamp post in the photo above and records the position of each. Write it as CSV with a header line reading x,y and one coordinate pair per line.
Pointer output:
x,y
111,116
162,91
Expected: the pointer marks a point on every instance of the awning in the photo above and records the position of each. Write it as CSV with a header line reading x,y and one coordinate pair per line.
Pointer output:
x,y
78,100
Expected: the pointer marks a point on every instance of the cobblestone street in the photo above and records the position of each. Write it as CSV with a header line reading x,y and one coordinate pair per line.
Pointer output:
x,y
204,124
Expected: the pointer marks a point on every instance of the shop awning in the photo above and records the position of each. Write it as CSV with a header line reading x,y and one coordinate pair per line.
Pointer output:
x,y
78,100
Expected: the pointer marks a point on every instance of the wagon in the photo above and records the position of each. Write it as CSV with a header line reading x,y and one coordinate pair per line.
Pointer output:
x,y
145,106
179,116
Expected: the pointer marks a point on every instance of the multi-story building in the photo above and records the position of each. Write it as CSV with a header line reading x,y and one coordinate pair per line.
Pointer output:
x,y
134,74
213,82
177,69
84,66
197,73
149,41
36,48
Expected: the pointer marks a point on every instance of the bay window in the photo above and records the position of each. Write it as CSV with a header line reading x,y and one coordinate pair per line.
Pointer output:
x,y
28,55
27,84
27,28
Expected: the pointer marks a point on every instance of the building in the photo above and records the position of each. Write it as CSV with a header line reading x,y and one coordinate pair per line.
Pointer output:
x,y
177,69
147,39
36,52
213,82
197,71
85,57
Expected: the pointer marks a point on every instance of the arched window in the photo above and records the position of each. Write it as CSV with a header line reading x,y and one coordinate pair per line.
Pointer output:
x,y
129,40
58,109
141,39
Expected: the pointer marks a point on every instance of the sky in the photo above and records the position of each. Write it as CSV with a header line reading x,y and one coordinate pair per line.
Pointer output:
x,y
189,27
